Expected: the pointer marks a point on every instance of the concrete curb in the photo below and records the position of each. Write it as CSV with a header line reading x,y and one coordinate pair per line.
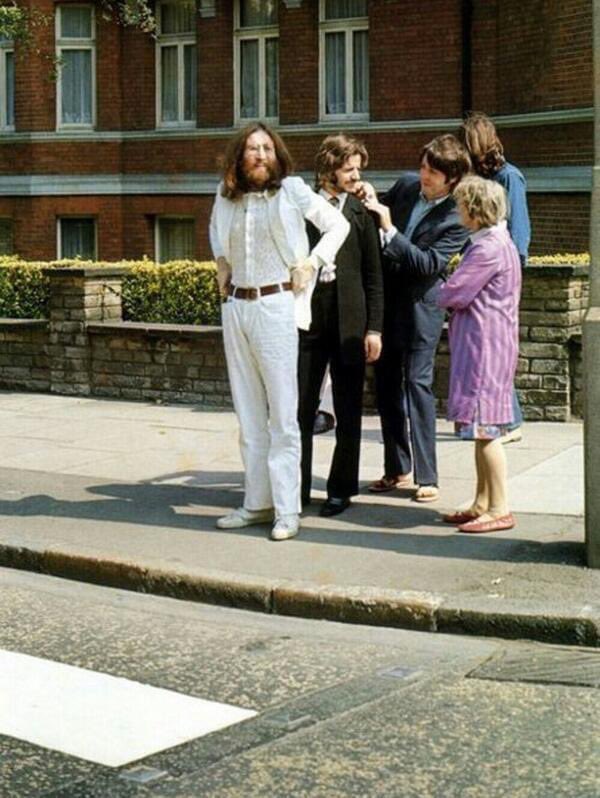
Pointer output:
x,y
404,609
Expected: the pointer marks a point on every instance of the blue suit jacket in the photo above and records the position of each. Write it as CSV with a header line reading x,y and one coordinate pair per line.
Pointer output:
x,y
414,268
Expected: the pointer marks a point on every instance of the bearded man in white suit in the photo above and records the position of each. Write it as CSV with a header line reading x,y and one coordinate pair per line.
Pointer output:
x,y
266,274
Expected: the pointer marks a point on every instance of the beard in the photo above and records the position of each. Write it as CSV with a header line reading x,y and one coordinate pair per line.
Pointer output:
x,y
262,177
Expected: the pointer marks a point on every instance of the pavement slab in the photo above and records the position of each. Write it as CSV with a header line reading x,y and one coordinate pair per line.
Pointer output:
x,y
128,493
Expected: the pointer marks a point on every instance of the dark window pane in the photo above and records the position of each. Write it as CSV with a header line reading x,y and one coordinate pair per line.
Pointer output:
x,y
258,13
78,238
176,239
361,72
75,22
335,73
6,237
249,79
345,9
272,67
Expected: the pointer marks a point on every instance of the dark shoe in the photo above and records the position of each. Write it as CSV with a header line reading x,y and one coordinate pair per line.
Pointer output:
x,y
305,500
334,506
323,423
386,484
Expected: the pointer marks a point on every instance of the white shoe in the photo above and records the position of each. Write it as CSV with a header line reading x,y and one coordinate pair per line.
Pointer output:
x,y
512,436
237,519
286,527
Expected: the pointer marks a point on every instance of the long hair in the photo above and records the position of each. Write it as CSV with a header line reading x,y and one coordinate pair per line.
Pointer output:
x,y
481,139
235,183
447,155
333,154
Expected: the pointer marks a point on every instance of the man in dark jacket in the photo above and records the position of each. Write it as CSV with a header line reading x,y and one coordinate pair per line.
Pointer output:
x,y
347,309
421,231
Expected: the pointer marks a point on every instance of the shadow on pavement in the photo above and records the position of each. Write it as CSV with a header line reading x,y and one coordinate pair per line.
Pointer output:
x,y
365,525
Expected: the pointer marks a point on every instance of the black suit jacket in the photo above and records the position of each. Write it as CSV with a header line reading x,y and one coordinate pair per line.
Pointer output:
x,y
414,268
358,280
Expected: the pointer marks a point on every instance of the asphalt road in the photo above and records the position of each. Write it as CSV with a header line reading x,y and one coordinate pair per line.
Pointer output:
x,y
336,710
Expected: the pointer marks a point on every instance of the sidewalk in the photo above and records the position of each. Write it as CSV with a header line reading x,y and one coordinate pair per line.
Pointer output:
x,y
127,494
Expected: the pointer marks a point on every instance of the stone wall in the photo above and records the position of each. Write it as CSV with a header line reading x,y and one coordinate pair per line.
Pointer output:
x,y
85,349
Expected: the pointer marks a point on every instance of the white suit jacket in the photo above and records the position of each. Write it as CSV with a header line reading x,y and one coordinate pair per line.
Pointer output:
x,y
288,209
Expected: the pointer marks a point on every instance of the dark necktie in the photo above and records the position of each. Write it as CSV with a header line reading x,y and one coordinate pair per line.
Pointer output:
x,y
334,201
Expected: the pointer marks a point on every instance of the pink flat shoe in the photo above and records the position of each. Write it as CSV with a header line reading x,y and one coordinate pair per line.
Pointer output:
x,y
476,527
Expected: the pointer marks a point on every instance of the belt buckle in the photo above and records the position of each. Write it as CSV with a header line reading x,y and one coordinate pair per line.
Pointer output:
x,y
253,293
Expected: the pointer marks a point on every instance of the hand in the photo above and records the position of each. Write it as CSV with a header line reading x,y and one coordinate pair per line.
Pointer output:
x,y
373,204
364,190
372,347
223,276
301,275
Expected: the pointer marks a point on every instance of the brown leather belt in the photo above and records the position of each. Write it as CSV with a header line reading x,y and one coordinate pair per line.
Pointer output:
x,y
255,293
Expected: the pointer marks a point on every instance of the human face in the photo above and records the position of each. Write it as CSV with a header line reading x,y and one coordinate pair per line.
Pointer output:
x,y
433,182
347,177
259,160
467,220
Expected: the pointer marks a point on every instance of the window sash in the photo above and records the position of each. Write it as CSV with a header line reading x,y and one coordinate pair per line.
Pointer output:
x,y
80,23
76,51
344,9
77,238
258,13
7,88
175,239
176,66
177,18
76,86
257,76
344,64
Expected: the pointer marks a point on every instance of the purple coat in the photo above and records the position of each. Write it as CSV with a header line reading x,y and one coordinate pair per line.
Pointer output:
x,y
483,294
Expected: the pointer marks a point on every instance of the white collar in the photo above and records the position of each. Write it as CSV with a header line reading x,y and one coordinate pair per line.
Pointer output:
x,y
485,231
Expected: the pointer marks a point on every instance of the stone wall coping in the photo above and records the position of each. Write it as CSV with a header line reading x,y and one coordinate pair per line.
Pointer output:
x,y
137,328
19,324
85,271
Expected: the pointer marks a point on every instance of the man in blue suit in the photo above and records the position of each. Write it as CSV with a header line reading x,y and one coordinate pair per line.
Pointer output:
x,y
421,231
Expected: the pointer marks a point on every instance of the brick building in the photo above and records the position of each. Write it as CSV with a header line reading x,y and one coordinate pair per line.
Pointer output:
x,y
117,157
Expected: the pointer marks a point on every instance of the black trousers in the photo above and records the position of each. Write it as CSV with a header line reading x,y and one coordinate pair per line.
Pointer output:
x,y
317,348
406,405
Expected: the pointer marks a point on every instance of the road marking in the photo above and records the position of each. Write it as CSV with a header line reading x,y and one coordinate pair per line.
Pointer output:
x,y
105,719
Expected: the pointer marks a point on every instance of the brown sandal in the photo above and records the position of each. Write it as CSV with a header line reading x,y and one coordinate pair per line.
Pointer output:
x,y
385,484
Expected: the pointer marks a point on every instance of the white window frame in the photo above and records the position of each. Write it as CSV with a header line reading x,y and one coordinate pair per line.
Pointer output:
x,y
348,26
68,217
260,33
6,47
179,40
177,217
75,44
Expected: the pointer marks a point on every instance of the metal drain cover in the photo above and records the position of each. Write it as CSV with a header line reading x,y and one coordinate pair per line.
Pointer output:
x,y
551,665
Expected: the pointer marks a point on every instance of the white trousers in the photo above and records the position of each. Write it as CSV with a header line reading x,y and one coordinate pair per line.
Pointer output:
x,y
261,347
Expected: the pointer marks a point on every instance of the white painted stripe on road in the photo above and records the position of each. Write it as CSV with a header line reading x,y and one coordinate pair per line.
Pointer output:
x,y
101,718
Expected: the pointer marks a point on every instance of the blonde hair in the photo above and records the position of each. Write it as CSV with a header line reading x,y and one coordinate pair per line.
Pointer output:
x,y
483,200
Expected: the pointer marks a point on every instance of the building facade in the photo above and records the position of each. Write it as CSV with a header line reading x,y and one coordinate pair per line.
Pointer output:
x,y
117,157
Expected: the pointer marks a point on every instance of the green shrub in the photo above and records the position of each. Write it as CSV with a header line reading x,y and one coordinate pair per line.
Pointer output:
x,y
24,290
180,292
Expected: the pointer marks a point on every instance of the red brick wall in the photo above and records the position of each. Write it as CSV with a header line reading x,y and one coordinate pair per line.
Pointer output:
x,y
537,55
138,80
560,223
215,67
298,64
416,62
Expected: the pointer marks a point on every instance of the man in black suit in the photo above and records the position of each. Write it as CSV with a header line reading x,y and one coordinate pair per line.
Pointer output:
x,y
421,231
347,310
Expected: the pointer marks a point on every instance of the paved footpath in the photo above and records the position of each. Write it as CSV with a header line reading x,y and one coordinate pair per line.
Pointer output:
x,y
127,493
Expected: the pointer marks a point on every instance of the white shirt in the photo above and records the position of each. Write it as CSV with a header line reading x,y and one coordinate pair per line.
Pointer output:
x,y
255,257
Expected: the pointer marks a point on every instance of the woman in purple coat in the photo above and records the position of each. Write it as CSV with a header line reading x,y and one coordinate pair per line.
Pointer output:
x,y
483,295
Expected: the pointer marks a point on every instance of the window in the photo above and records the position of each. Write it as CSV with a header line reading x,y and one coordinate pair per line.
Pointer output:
x,y
6,237
344,62
257,60
176,76
7,84
77,238
174,239
76,51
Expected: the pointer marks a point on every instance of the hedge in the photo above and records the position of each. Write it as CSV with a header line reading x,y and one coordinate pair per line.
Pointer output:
x,y
179,292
